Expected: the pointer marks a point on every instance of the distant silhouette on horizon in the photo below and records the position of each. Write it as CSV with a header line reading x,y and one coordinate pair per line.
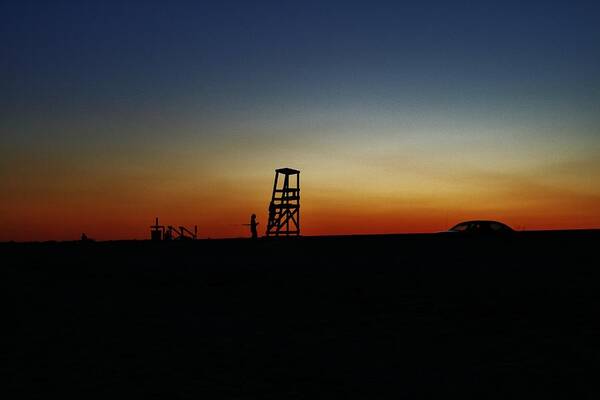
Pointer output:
x,y
85,238
481,228
253,224
166,233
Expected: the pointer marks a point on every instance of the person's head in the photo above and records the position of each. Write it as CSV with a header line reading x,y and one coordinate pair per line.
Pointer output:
x,y
253,216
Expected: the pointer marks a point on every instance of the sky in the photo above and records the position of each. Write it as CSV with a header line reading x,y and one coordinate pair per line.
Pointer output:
x,y
401,116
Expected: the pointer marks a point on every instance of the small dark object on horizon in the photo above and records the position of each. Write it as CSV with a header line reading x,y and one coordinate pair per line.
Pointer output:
x,y
157,231
481,228
253,224
85,238
161,232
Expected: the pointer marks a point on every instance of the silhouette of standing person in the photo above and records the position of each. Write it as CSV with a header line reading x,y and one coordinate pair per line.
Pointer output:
x,y
253,225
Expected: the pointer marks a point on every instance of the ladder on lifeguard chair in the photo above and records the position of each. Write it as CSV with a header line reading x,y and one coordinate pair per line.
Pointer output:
x,y
284,209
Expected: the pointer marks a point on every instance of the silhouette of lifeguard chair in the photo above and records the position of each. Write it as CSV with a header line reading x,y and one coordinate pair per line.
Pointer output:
x,y
284,209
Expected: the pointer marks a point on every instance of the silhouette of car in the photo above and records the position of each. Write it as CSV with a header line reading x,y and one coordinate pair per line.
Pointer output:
x,y
481,228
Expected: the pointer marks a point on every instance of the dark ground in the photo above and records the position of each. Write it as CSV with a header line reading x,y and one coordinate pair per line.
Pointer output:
x,y
370,317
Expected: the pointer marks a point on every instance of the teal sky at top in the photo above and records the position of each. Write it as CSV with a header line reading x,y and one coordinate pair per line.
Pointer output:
x,y
88,72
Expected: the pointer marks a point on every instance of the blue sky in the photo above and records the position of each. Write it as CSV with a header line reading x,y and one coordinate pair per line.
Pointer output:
x,y
113,90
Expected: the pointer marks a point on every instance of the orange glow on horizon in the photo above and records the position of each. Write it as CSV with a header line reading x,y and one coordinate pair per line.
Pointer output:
x,y
360,191
322,214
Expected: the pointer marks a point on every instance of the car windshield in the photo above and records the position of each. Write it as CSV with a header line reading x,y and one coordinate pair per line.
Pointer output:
x,y
496,227
461,227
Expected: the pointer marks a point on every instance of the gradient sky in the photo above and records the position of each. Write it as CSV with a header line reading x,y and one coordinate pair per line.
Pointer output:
x,y
402,117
